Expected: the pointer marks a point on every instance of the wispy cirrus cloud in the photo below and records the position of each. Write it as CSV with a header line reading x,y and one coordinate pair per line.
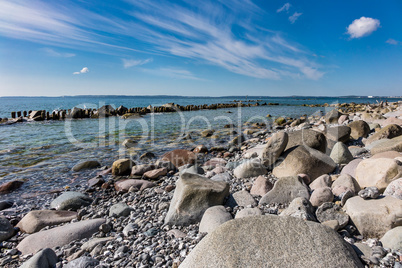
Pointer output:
x,y
202,32
285,7
392,41
127,63
54,53
294,17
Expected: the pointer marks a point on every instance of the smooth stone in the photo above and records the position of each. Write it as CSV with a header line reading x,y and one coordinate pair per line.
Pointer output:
x,y
155,174
350,168
330,211
193,195
207,133
214,162
388,154
394,189
59,236
341,154
251,168
369,193
320,182
147,156
393,239
89,245
338,133
180,157
82,262
125,185
321,195
347,181
129,143
4,204
256,151
191,169
256,242
248,212
274,148
362,249
306,160
35,220
176,233
242,199
356,151
86,165
212,218
261,186
120,210
71,200
10,186
285,190
374,217
122,167
394,144
166,164
6,229
387,132
46,258
307,137
300,208
226,177
139,170
359,129
333,224
332,116
129,229
378,172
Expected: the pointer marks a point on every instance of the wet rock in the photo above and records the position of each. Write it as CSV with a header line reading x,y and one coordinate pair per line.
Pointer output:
x,y
285,190
98,181
300,208
125,185
4,204
207,133
341,154
241,199
200,149
261,186
346,181
147,156
378,172
330,211
155,174
6,229
350,169
120,210
393,238
193,195
321,195
251,168
307,137
45,258
35,220
374,217
274,148
10,186
394,189
129,143
59,236
213,217
359,129
369,193
86,165
321,181
139,170
71,200
180,157
248,212
256,242
306,160
122,167
388,132
82,262
237,141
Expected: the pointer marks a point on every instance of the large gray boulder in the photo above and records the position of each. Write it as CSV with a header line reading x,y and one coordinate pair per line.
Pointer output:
x,y
304,160
272,241
35,220
359,129
307,137
384,145
46,258
374,217
192,196
59,236
274,148
285,190
251,168
71,200
393,238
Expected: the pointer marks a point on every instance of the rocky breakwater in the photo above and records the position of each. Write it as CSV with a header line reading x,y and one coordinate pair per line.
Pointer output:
x,y
322,192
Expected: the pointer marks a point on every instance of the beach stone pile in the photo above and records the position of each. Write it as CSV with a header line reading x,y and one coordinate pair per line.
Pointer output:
x,y
318,191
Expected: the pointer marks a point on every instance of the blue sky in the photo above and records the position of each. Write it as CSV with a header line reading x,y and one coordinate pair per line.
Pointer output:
x,y
200,48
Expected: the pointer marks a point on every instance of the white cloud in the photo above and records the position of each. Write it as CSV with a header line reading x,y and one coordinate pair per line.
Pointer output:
x,y
127,63
392,41
294,17
54,53
173,72
285,7
362,27
83,71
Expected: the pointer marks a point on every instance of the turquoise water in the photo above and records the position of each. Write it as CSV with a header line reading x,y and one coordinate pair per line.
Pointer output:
x,y
43,153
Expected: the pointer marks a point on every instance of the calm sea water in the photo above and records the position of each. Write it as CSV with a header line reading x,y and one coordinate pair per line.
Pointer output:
x,y
43,153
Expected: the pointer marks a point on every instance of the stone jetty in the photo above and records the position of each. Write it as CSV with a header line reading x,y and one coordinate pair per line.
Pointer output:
x,y
317,191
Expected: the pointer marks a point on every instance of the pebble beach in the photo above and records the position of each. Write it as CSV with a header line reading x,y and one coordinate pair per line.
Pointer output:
x,y
318,190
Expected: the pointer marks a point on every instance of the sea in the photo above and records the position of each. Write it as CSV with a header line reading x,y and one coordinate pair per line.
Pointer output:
x,y
42,154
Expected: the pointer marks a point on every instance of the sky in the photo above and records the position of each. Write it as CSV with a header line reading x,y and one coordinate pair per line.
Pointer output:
x,y
200,48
